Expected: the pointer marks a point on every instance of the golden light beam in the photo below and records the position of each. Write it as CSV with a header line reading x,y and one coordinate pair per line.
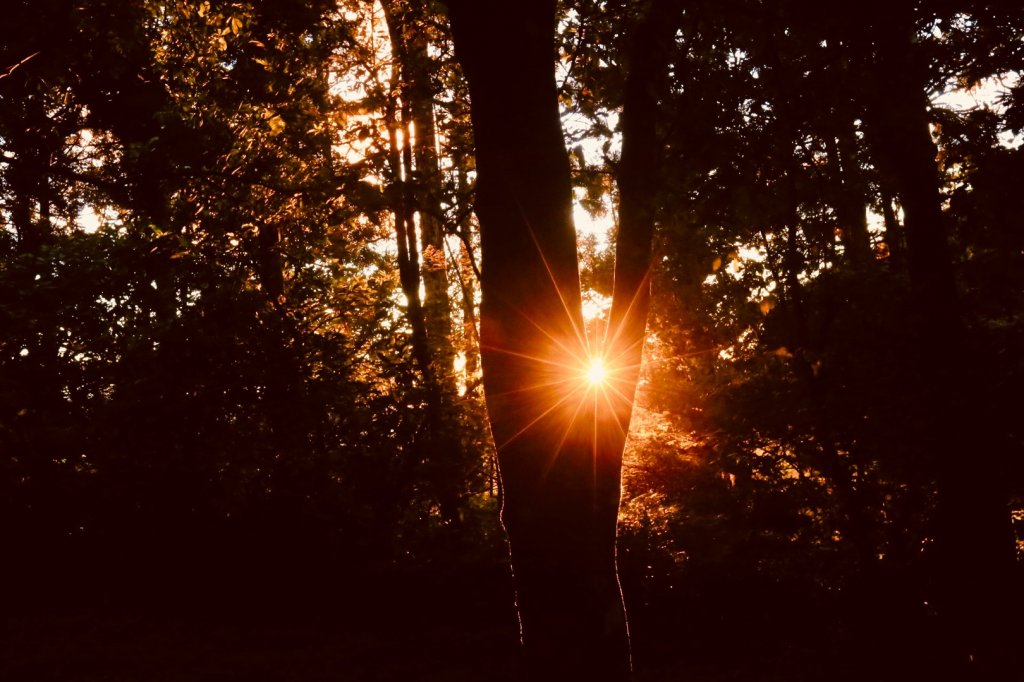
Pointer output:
x,y
580,335
615,415
561,442
551,337
620,327
596,372
525,356
586,375
536,419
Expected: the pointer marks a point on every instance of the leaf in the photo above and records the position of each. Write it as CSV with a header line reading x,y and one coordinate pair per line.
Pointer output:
x,y
716,265
236,25
276,124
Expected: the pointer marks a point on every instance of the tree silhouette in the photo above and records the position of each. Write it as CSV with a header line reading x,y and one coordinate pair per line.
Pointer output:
x,y
242,383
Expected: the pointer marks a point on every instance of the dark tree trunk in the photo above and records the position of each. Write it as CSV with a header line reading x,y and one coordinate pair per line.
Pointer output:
x,y
559,440
559,461
974,548
851,201
409,34
408,250
637,177
470,328
893,229
38,373
423,260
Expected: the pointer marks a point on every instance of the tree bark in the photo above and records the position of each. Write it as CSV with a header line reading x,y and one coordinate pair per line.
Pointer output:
x,y
637,177
559,440
559,459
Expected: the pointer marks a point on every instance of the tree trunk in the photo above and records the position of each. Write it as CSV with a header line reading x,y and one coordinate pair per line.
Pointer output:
x,y
850,202
893,229
638,177
974,548
559,458
417,171
38,373
408,250
559,440
416,67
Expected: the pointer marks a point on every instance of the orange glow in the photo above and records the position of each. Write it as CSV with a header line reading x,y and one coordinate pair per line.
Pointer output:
x,y
569,383
574,384
596,372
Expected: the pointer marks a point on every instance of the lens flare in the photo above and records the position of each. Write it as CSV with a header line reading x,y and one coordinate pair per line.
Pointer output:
x,y
596,372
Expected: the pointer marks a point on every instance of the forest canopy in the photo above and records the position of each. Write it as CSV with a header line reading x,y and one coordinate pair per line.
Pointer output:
x,y
240,310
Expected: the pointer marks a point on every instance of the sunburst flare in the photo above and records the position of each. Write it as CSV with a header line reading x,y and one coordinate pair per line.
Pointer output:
x,y
597,374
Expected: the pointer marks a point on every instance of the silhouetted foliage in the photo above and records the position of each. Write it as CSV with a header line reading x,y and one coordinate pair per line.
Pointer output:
x,y
240,357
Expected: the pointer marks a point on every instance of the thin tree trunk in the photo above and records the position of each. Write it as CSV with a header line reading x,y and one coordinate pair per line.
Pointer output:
x,y
467,271
408,253
638,177
420,198
422,178
850,203
34,145
418,91
470,328
893,229
974,547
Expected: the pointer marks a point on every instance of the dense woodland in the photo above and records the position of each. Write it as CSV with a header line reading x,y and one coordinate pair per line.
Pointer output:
x,y
243,430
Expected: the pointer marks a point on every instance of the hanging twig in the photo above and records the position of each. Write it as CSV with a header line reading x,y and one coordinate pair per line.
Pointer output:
x,y
12,69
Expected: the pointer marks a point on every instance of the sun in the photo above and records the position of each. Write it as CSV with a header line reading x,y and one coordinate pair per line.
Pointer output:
x,y
596,372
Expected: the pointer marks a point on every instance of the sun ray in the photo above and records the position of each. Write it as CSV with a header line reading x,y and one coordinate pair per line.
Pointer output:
x,y
593,445
535,420
571,375
551,337
615,415
619,327
624,352
569,352
597,374
525,356
611,388
565,435
536,387
580,335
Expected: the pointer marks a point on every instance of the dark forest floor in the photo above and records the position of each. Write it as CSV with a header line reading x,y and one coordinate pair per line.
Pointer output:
x,y
121,647
285,622
378,626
